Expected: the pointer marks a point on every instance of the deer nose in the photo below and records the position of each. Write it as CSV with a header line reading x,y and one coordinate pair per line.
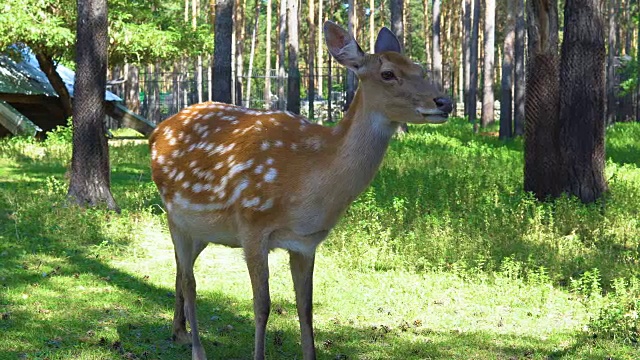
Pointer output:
x,y
444,104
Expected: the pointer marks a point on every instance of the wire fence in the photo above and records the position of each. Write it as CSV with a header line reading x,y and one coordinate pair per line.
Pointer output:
x,y
162,94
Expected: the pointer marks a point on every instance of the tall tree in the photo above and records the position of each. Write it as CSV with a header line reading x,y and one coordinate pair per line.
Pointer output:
x,y
372,26
473,62
293,48
90,174
351,76
466,54
320,62
426,33
267,60
239,23
311,59
397,25
437,55
488,63
582,99
282,43
222,51
542,162
519,73
252,53
612,99
506,99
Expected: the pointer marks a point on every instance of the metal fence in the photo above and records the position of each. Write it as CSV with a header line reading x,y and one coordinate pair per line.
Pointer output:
x,y
164,93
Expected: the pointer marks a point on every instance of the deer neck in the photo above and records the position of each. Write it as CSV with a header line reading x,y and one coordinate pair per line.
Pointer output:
x,y
363,138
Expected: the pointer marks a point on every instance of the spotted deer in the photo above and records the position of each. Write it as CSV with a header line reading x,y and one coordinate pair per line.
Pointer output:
x,y
261,180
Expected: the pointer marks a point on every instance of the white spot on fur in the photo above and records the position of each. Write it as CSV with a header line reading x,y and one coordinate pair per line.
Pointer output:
x,y
270,161
259,169
251,202
264,146
266,206
239,167
271,175
196,188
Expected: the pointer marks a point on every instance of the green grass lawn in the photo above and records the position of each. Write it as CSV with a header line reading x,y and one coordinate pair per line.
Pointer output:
x,y
444,257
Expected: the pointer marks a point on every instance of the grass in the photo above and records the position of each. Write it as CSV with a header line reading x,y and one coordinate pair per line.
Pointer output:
x,y
443,257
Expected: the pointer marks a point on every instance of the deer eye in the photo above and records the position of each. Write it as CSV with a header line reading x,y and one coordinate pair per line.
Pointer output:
x,y
388,75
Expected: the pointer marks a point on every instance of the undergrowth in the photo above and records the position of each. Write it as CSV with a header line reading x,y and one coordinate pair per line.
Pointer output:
x,y
445,201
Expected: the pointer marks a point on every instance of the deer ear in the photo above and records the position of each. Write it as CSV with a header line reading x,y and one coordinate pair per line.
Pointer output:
x,y
342,46
387,41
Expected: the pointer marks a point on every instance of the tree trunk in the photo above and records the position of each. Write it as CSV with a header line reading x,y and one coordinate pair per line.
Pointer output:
x,y
239,22
282,29
426,33
519,73
506,113
543,165
267,63
372,26
466,54
293,47
132,88
311,60
473,63
351,77
488,116
48,67
252,54
320,62
437,55
397,26
582,99
90,174
222,51
612,99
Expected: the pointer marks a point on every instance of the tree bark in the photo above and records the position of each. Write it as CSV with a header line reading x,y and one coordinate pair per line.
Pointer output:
x,y
612,99
543,173
437,55
239,22
222,51
311,59
506,113
466,53
473,63
426,33
90,173
582,99
293,47
519,73
488,116
48,67
320,62
252,53
132,88
282,43
351,76
267,63
372,26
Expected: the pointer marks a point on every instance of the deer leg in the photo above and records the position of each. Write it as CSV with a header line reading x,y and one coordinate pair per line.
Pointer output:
x,y
180,334
302,273
186,250
258,264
